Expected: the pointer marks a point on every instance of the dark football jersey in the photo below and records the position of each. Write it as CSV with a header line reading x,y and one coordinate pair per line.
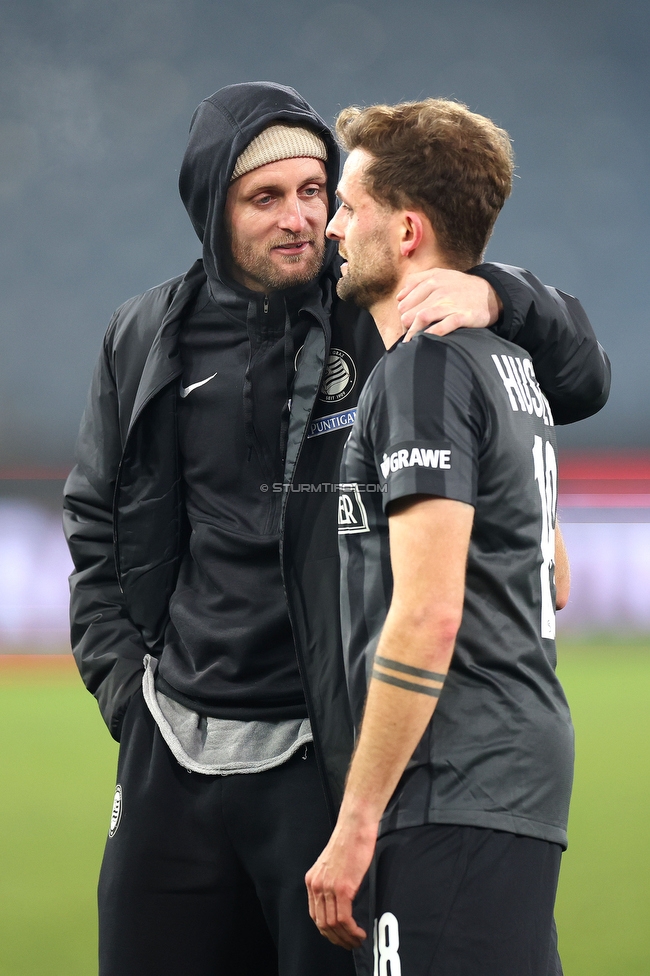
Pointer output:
x,y
463,417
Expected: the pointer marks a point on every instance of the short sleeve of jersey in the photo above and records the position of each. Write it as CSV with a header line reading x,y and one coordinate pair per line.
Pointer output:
x,y
424,421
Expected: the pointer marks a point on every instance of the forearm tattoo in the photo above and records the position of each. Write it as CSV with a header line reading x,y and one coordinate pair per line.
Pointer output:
x,y
432,681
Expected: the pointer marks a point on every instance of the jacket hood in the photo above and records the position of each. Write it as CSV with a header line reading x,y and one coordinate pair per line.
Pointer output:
x,y
221,128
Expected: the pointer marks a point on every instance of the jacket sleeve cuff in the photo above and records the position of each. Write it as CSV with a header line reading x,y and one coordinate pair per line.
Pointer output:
x,y
513,293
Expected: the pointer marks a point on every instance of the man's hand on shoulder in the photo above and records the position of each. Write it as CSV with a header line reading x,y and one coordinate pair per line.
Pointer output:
x,y
441,300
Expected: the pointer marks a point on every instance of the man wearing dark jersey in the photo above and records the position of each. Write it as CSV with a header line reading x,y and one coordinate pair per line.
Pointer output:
x,y
458,792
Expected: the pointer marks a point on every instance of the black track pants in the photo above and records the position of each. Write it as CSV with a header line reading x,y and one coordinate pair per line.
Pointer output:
x,y
204,875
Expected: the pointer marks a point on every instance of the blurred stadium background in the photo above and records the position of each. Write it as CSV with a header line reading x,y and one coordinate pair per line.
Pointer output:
x,y
604,503
96,101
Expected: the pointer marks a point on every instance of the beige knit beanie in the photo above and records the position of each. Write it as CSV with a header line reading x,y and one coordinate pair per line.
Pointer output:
x,y
279,142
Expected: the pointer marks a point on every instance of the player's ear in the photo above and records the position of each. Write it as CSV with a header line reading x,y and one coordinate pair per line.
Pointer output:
x,y
412,232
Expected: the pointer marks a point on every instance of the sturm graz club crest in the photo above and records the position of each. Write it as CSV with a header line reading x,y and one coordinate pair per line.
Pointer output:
x,y
116,814
340,376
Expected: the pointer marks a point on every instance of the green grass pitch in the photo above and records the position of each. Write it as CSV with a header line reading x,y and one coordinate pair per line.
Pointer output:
x,y
57,766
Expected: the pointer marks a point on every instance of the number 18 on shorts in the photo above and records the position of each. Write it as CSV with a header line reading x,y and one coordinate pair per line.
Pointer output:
x,y
386,945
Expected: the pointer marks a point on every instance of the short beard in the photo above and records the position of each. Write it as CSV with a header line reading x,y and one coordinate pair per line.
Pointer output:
x,y
374,277
257,264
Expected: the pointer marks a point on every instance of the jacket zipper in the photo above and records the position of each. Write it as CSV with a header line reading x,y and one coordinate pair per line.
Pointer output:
x,y
320,760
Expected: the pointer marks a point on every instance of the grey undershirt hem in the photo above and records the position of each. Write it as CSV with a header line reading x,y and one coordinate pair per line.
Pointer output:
x,y
220,746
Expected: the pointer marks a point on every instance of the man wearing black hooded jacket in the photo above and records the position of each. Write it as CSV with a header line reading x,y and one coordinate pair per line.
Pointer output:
x,y
201,520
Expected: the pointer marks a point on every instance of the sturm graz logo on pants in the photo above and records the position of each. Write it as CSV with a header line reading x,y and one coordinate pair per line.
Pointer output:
x,y
386,945
116,814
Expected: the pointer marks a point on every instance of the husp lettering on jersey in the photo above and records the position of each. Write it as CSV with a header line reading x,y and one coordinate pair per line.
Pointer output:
x,y
522,387
412,454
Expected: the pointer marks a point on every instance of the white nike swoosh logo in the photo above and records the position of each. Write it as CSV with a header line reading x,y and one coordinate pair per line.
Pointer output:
x,y
185,391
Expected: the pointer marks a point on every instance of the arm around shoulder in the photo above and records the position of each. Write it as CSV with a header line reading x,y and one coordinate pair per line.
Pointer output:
x,y
571,366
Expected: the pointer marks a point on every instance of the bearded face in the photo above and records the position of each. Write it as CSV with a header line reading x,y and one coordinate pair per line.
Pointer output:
x,y
271,265
371,272
275,219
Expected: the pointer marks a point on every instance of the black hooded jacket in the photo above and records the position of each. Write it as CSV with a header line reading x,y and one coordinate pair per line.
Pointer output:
x,y
125,508
228,649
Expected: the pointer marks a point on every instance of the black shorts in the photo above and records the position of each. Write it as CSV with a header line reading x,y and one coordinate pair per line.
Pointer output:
x,y
462,901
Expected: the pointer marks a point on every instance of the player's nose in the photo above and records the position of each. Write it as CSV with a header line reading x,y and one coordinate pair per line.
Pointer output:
x,y
292,217
334,228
